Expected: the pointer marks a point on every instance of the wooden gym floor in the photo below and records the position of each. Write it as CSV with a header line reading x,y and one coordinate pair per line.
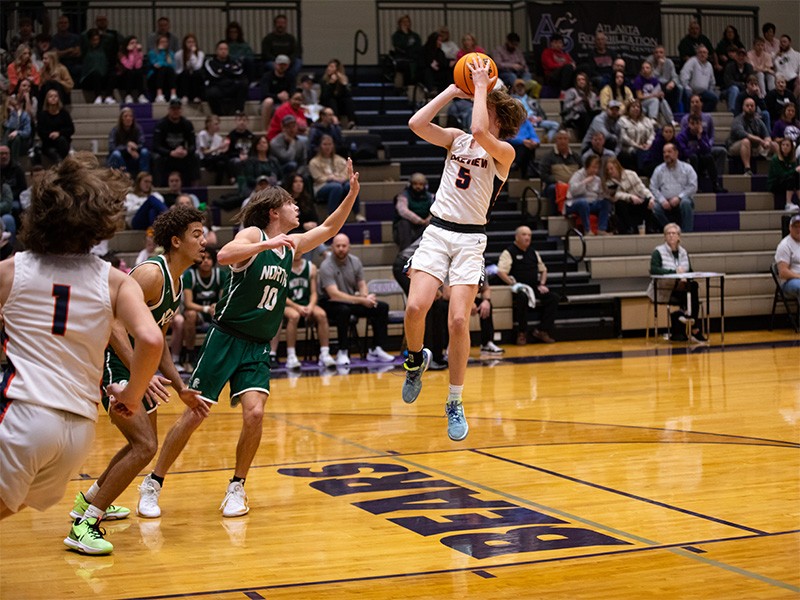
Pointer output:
x,y
603,469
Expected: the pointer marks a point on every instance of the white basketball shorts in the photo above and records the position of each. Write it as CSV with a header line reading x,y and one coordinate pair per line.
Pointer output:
x,y
451,255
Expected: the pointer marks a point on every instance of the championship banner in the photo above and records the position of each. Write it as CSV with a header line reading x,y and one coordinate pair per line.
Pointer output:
x,y
633,28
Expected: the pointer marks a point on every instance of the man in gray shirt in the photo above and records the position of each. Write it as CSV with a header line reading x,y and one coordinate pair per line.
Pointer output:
x,y
606,123
343,293
697,77
673,184
749,136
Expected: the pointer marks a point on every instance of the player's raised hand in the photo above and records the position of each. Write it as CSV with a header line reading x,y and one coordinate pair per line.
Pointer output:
x,y
352,176
480,72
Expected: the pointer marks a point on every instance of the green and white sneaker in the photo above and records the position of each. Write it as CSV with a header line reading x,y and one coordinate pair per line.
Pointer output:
x,y
87,537
113,512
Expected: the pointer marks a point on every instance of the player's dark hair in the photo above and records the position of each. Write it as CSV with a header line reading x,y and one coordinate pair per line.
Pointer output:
x,y
74,206
174,223
510,113
256,212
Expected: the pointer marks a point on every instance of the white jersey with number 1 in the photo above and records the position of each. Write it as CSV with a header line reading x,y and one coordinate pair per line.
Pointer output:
x,y
470,184
57,323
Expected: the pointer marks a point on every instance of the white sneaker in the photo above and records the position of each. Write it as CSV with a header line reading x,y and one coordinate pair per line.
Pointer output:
x,y
110,100
98,100
235,502
792,208
492,348
143,99
342,359
128,99
160,99
326,360
292,362
148,499
378,354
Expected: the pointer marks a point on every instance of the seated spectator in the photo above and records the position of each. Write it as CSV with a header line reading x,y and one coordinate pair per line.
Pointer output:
x,y
436,75
23,68
24,34
669,258
295,184
406,52
778,98
510,61
412,211
751,91
55,128
294,108
719,152
68,46
189,62
558,166
329,172
311,105
697,77
598,61
558,65
649,92
174,146
241,142
130,72
161,74
674,184
190,201
175,189
37,172
521,267
633,202
163,30
664,70
288,148
126,149
96,71
787,257
335,92
606,122
636,134
449,47
787,63
598,148
143,204
279,42
27,101
584,197
761,61
110,39
240,50
326,125
579,107
525,144
7,222
55,76
483,308
259,164
11,173
226,83
771,43
536,114
17,129
301,308
749,136
344,293
691,42
782,179
262,184
212,149
695,147
730,44
788,126
616,90
666,135
276,87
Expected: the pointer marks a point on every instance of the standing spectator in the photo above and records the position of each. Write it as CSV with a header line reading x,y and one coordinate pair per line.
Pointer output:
x,y
126,149
161,74
436,74
55,76
55,128
787,63
329,172
163,30
280,42
521,267
412,211
130,73
666,73
510,60
585,198
771,43
293,108
749,136
580,106
734,78
691,42
17,129
648,90
787,256
406,51
695,148
598,61
335,92
174,146
226,83
189,62
525,144
258,166
288,148
11,173
276,87
606,122
239,49
326,125
68,46
143,204
697,77
674,184
633,202
636,134
761,60
558,66
22,68
558,166
778,98
782,179
617,89
449,47
95,72
212,149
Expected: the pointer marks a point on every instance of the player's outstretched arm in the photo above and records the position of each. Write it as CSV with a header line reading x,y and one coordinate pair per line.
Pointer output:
x,y
247,244
331,226
421,122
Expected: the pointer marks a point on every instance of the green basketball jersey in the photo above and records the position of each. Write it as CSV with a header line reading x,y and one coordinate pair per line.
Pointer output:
x,y
300,285
206,291
253,302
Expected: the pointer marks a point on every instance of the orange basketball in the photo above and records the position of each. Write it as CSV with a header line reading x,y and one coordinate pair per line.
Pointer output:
x,y
462,76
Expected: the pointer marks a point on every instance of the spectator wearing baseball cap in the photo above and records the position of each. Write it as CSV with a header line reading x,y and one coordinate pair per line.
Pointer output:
x,y
290,150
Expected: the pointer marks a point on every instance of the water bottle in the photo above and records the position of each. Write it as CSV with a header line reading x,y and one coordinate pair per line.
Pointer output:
x,y
367,240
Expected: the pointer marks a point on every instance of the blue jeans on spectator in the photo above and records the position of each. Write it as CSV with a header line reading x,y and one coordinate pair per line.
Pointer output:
x,y
332,194
147,213
10,226
121,159
791,288
683,214
732,93
583,208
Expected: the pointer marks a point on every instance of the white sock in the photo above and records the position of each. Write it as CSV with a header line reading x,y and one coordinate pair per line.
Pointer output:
x,y
290,352
324,350
93,513
455,393
92,492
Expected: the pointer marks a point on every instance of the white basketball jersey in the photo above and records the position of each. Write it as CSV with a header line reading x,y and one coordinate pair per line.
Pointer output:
x,y
57,324
470,184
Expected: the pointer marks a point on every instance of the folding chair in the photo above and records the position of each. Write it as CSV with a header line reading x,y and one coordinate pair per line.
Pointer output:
x,y
794,315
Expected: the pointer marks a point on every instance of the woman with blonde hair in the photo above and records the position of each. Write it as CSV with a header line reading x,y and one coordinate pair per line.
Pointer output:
x,y
55,128
55,76
335,92
633,202
636,134
22,68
